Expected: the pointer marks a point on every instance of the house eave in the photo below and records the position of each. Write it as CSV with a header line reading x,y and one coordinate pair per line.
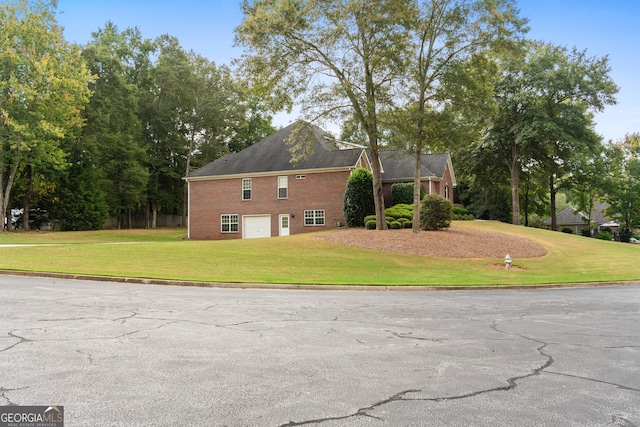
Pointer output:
x,y
422,178
269,173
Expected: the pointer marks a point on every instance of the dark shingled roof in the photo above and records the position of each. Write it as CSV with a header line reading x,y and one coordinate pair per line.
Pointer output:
x,y
399,166
272,154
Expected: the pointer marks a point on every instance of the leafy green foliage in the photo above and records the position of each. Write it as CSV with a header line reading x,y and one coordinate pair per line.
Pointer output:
x,y
622,188
81,202
604,235
399,211
358,198
459,213
545,96
402,193
43,87
435,213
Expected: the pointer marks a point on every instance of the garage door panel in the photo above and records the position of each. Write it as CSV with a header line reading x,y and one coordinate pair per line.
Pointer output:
x,y
256,226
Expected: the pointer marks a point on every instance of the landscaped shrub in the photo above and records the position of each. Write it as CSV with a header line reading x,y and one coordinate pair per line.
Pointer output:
x,y
566,230
402,193
461,214
604,235
370,225
586,232
399,211
625,235
408,224
358,198
435,212
369,218
395,225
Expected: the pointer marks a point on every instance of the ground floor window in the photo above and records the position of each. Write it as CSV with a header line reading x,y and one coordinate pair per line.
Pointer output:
x,y
314,217
229,223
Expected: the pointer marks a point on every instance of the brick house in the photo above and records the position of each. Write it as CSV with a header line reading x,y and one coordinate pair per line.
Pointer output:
x,y
262,192
436,174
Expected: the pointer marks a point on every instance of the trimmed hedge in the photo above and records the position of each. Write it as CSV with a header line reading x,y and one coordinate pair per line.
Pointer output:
x,y
358,198
402,193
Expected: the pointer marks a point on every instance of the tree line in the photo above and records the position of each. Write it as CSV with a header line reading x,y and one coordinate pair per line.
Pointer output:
x,y
110,128
455,75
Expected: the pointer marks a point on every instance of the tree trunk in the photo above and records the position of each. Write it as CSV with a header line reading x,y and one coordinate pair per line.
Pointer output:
x,y
27,199
552,195
526,200
185,201
5,193
416,190
515,197
378,196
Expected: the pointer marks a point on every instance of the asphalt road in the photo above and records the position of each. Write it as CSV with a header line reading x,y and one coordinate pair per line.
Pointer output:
x,y
142,355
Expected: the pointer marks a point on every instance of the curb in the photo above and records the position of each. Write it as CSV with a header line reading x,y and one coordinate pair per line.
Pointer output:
x,y
369,288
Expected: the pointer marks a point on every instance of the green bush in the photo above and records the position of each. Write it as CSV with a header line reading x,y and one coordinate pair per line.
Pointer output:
x,y
408,224
358,198
399,211
566,230
369,218
395,225
461,214
435,212
604,235
402,193
370,225
625,235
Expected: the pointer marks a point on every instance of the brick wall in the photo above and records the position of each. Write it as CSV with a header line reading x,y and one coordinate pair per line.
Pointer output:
x,y
430,187
317,191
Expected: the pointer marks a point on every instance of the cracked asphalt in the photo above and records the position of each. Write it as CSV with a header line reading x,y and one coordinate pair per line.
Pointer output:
x,y
121,354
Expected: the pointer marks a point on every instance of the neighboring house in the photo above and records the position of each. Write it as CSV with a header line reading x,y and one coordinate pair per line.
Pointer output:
x,y
436,174
577,221
261,192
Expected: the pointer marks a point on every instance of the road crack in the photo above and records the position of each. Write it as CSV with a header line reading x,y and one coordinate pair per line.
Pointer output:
x,y
623,387
362,412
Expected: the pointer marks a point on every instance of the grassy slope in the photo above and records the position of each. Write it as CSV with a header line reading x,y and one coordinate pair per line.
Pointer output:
x,y
306,259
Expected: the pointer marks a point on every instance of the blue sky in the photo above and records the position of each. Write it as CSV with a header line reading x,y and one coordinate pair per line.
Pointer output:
x,y
206,27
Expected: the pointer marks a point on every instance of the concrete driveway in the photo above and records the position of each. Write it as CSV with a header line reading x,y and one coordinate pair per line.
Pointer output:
x,y
140,355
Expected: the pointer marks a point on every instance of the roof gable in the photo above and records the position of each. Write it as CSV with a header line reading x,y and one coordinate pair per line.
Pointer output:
x,y
274,154
399,166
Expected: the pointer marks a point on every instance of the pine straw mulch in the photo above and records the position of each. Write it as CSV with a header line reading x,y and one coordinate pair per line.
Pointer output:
x,y
454,242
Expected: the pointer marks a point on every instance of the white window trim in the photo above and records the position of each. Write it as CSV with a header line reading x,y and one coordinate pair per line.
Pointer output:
x,y
230,223
315,217
244,188
286,186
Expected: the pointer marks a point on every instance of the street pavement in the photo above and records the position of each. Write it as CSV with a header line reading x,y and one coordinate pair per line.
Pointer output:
x,y
122,354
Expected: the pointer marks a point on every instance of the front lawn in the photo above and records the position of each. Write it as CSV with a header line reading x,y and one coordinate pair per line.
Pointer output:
x,y
306,259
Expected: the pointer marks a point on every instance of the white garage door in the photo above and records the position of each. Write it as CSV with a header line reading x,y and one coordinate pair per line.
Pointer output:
x,y
255,226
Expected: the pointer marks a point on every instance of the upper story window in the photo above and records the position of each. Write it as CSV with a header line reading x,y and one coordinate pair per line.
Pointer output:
x,y
246,188
313,217
283,187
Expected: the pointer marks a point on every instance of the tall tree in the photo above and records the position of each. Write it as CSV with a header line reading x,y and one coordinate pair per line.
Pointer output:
x,y
589,172
43,87
623,185
163,108
343,55
448,86
544,97
112,141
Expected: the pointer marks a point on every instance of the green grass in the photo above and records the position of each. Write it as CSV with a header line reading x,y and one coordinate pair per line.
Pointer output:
x,y
306,259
